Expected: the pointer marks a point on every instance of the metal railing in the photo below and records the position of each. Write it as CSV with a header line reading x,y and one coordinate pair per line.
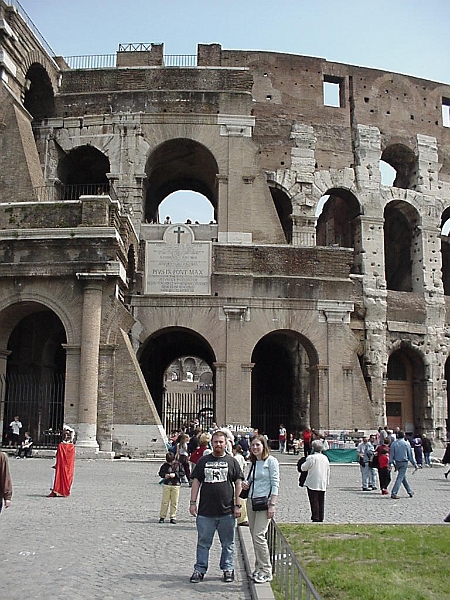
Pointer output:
x,y
108,61
180,60
51,193
93,61
31,25
39,402
289,579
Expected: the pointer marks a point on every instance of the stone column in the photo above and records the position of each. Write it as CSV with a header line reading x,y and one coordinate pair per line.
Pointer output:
x,y
221,387
90,341
72,386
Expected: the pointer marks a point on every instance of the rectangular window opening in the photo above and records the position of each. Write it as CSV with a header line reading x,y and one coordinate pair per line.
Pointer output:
x,y
446,112
333,91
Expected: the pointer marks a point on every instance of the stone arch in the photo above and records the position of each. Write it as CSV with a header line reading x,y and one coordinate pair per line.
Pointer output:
x,y
283,205
284,386
36,57
406,388
18,306
83,170
179,164
165,346
339,224
401,228
39,97
33,368
405,162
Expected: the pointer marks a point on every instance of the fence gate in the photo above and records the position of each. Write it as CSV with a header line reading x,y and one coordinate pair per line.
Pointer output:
x,y
180,408
39,404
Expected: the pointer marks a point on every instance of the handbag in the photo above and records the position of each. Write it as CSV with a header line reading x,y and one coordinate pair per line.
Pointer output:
x,y
260,503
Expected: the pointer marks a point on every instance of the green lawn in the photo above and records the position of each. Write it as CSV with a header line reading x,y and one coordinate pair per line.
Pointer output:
x,y
374,562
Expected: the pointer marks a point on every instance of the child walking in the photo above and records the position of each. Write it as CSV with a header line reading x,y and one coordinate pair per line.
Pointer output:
x,y
170,473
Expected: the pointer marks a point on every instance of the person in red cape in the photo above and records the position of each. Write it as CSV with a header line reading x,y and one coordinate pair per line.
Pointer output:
x,y
65,464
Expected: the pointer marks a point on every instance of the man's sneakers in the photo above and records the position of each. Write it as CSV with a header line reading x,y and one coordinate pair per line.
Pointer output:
x,y
173,521
228,576
395,497
196,577
262,578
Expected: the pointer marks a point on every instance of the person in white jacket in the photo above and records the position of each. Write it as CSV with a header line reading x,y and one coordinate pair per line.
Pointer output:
x,y
318,467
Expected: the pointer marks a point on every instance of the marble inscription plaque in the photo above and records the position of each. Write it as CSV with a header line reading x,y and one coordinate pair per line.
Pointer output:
x,y
178,264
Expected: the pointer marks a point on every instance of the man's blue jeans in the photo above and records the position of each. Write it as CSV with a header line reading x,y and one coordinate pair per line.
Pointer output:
x,y
402,467
206,528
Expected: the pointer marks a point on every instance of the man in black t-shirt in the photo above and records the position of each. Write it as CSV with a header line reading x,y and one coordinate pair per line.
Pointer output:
x,y
218,477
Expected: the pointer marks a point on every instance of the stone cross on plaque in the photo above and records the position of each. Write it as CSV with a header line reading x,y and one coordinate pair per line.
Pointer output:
x,y
178,264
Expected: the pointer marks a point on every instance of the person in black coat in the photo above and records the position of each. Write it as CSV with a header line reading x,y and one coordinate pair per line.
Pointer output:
x,y
446,459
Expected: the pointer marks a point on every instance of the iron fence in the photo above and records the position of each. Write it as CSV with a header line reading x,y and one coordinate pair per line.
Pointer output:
x,y
22,12
180,60
91,61
108,61
289,578
39,403
73,192
180,408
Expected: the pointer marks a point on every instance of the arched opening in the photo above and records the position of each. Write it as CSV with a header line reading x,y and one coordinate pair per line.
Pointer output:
x,y
39,99
401,259
83,171
338,223
283,206
186,207
166,359
179,164
405,398
388,173
445,250
33,386
404,161
283,383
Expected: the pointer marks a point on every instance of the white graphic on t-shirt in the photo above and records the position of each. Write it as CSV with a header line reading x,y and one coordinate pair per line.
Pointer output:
x,y
216,472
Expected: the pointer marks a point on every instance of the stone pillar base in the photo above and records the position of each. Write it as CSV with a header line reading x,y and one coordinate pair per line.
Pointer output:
x,y
91,453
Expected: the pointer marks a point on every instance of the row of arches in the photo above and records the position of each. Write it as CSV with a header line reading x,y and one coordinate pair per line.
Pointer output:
x,y
183,164
283,385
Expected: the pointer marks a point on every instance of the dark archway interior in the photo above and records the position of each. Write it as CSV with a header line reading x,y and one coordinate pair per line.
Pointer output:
x,y
39,99
336,225
280,384
84,170
180,164
397,249
165,347
35,374
404,161
283,206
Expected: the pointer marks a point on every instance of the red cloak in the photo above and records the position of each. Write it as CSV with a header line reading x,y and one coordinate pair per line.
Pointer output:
x,y
64,468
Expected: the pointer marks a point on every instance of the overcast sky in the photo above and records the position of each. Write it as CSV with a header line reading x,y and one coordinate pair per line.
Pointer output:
x,y
403,36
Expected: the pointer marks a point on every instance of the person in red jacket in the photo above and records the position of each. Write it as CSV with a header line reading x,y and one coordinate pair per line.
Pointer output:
x,y
307,436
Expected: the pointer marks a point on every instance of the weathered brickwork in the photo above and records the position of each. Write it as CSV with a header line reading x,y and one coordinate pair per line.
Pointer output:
x,y
328,288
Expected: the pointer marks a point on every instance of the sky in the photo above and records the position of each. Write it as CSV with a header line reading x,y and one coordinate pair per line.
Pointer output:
x,y
403,36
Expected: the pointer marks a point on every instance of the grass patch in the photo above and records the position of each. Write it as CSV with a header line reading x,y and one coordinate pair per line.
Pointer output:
x,y
369,562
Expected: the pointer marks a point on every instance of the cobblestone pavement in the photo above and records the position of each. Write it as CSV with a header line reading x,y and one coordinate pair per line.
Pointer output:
x,y
104,541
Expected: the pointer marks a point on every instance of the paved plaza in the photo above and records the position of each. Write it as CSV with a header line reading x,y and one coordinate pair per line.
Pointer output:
x,y
104,541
